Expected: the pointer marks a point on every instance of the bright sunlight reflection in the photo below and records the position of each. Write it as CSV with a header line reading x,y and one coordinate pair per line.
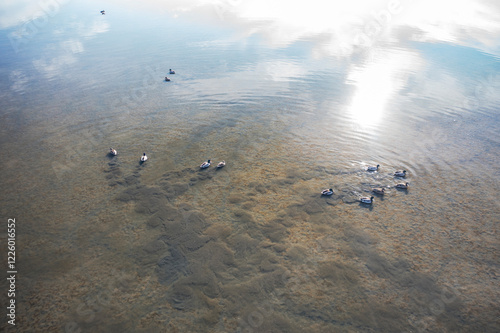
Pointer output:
x,y
373,88
376,82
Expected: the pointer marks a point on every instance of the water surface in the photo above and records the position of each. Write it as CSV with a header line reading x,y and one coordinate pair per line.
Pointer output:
x,y
107,244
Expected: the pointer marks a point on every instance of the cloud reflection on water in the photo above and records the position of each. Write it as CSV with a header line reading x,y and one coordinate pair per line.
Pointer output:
x,y
342,25
346,26
336,28
15,12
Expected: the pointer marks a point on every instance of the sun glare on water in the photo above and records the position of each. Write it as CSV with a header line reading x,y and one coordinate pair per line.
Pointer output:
x,y
375,83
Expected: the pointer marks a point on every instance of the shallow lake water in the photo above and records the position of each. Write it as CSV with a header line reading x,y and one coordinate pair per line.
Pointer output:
x,y
107,244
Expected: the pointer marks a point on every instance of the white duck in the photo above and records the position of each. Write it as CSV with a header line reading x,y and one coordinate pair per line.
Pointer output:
x,y
403,185
113,152
144,158
327,192
205,165
400,173
366,200
373,168
221,164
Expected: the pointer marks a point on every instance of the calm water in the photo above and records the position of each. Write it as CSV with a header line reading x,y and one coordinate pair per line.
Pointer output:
x,y
105,244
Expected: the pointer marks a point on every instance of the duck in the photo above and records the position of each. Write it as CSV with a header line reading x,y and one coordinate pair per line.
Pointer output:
x,y
327,192
113,152
379,190
373,168
403,185
205,165
221,164
170,71
400,173
103,12
166,78
366,200
144,158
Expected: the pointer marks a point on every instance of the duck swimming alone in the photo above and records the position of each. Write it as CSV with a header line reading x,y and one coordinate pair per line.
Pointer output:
x,y
400,173
170,71
144,158
327,192
403,186
366,200
205,165
379,190
113,152
221,164
373,168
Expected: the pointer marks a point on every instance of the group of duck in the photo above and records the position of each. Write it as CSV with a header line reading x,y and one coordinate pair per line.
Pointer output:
x,y
377,190
144,158
326,192
206,164
170,71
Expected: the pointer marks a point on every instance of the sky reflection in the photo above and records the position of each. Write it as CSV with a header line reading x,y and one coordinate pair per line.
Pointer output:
x,y
349,25
354,31
297,97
